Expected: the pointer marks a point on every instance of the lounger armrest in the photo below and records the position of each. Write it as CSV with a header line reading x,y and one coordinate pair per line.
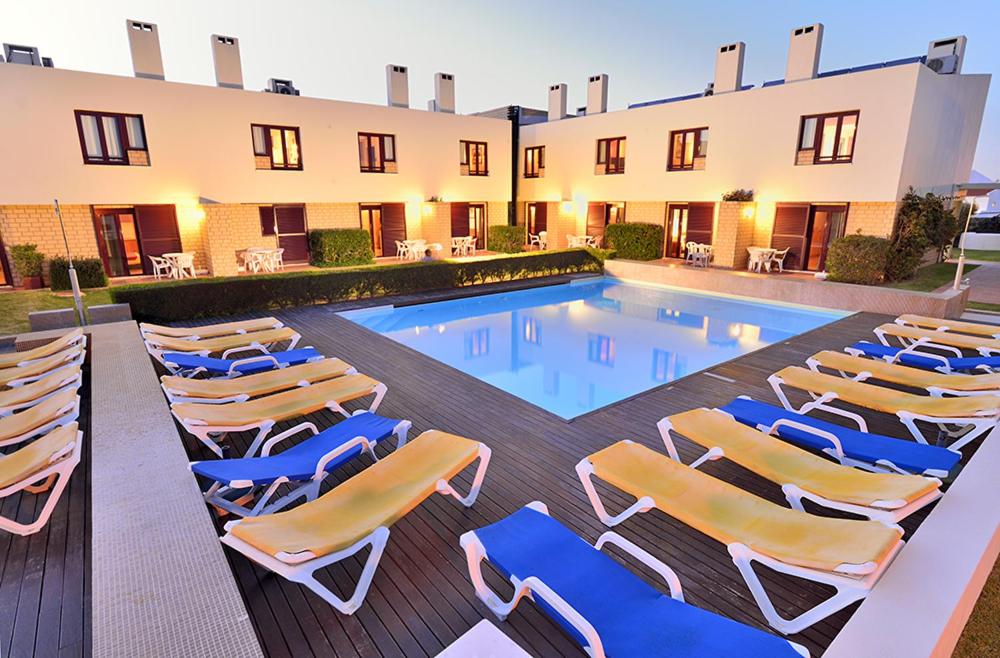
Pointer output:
x,y
362,441
252,347
538,588
912,349
815,431
265,358
668,574
301,427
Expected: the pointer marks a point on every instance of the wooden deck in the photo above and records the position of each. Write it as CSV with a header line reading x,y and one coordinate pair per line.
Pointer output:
x,y
421,598
45,577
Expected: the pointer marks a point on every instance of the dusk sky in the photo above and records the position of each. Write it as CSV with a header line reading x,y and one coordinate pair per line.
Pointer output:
x,y
506,52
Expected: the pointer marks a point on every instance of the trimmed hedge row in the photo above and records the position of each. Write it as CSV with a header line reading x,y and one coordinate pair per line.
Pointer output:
x,y
635,241
506,239
858,259
89,272
337,247
199,298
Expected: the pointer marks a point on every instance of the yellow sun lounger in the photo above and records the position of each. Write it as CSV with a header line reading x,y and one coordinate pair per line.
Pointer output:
x,y
257,341
846,554
886,497
210,423
241,389
15,359
956,326
43,465
60,409
935,383
211,330
20,375
941,340
974,415
22,397
358,513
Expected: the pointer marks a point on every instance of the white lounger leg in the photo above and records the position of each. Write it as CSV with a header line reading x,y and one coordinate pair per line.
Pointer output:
x,y
444,487
54,479
585,470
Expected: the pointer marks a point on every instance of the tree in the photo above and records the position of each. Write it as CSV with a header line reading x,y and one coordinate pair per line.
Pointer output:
x,y
922,223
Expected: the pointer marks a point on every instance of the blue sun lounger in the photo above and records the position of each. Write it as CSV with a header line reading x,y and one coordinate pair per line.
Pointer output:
x,y
189,365
861,449
601,604
304,465
923,359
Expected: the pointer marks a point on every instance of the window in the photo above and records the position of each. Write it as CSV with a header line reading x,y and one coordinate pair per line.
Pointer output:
x,y
601,349
531,331
477,343
113,139
830,137
611,154
685,147
377,153
474,157
534,161
279,144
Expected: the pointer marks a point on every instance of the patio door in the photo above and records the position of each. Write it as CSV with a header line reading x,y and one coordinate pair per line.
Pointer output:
x,y
393,216
371,219
537,218
291,224
477,224
600,214
675,231
826,225
791,228
126,237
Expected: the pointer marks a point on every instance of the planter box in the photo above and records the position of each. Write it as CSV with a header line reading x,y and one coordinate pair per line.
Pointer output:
x,y
104,313
60,318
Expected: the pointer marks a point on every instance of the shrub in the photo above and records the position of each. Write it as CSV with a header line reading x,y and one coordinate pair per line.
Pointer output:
x,y
923,222
635,241
340,246
738,195
985,224
506,239
858,259
198,298
89,272
27,259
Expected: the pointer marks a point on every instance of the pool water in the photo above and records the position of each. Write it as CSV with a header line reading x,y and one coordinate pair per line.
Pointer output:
x,y
580,346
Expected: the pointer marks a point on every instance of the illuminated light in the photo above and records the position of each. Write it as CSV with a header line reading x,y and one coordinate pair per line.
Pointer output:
x,y
416,331
428,210
735,330
440,328
748,212
567,207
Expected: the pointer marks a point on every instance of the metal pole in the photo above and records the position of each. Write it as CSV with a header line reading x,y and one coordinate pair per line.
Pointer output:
x,y
73,281
961,253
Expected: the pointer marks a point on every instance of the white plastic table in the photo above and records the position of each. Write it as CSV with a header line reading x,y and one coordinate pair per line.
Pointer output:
x,y
182,264
484,640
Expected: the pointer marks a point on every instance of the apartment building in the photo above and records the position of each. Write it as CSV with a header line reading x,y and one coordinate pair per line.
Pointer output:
x,y
144,166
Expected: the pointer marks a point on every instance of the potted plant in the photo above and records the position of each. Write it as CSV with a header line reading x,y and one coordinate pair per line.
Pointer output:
x,y
28,263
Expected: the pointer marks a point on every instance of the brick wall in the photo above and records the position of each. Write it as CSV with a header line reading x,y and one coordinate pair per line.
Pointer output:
x,y
872,218
39,225
229,228
645,212
333,215
734,232
435,226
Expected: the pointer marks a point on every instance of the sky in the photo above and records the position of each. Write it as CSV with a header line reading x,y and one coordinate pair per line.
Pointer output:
x,y
505,53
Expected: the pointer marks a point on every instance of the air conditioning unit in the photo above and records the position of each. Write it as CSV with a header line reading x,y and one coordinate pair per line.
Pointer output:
x,y
709,89
943,65
276,86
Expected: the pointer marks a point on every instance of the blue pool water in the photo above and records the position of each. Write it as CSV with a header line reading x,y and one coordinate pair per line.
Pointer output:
x,y
577,347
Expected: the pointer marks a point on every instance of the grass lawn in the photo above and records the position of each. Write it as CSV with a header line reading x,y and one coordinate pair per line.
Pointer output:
x,y
15,306
981,636
978,254
932,277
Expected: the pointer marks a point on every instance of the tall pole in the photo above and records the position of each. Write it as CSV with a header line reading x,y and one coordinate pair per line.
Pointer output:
x,y
73,281
961,253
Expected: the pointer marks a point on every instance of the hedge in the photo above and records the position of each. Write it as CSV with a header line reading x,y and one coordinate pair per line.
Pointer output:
x,y
198,298
635,241
89,272
337,247
984,224
858,259
506,239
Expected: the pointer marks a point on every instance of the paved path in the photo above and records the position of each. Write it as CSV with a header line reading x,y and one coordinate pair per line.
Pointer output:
x,y
985,284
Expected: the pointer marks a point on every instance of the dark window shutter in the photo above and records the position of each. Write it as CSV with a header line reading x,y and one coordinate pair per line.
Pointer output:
x,y
541,219
158,232
292,237
699,222
791,224
291,219
393,226
266,220
459,220
595,219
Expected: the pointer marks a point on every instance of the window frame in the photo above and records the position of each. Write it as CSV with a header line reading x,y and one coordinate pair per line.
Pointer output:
x,y
818,136
538,160
121,124
381,137
685,133
466,160
619,167
269,146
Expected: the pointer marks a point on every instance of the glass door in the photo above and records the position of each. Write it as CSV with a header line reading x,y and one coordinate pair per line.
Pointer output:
x,y
371,217
119,241
826,225
676,233
477,224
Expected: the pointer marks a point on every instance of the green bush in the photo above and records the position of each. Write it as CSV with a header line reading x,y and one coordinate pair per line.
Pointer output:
x,y
89,272
858,259
922,223
199,298
635,241
984,224
336,247
27,259
738,194
506,239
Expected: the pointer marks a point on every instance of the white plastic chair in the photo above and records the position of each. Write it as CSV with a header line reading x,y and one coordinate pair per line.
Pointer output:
x,y
161,267
458,246
534,240
778,257
185,266
402,250
276,260
470,246
543,239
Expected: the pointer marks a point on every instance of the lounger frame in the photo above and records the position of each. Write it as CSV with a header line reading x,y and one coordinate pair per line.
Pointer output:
x,y
68,362
278,324
80,342
177,396
52,478
928,341
157,352
234,371
67,414
934,391
74,381
904,323
301,567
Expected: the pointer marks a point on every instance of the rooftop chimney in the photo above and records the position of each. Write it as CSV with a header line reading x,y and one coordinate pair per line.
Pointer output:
x,y
25,55
144,42
397,86
803,53
557,101
946,55
444,93
226,57
729,68
597,93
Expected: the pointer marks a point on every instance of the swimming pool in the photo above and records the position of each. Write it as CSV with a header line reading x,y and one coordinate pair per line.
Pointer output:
x,y
576,347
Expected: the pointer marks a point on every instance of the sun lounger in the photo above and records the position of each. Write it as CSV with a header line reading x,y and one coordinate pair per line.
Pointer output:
x,y
886,497
22,397
608,609
357,513
211,330
241,389
850,447
935,383
956,326
257,341
940,340
43,465
60,409
15,359
845,554
304,465
927,360
973,415
20,375
211,422
191,365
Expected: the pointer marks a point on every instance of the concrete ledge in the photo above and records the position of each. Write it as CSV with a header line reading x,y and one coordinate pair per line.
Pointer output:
x,y
104,313
793,289
59,318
